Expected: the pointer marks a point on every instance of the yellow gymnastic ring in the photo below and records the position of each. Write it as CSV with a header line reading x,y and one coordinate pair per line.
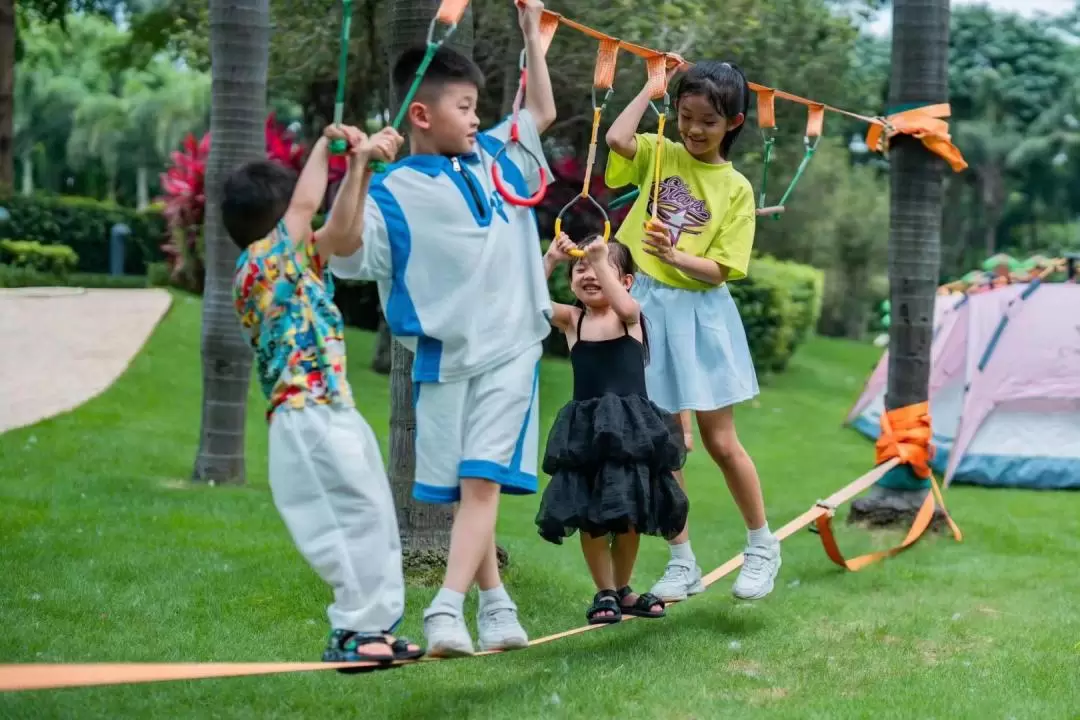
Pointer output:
x,y
576,252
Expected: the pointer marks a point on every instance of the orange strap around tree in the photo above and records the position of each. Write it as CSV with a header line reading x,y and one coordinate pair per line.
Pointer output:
x,y
905,436
923,123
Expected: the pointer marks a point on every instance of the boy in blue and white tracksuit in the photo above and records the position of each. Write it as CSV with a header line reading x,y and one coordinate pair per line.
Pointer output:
x,y
462,284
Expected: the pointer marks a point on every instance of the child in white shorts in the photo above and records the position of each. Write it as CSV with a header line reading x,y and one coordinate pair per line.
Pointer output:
x,y
462,284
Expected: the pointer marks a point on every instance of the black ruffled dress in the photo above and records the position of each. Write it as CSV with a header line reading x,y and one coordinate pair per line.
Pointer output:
x,y
611,452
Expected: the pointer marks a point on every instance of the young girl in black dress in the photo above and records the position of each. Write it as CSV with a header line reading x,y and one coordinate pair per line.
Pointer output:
x,y
611,452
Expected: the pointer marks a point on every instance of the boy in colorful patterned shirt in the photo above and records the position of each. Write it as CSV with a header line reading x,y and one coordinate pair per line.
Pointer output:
x,y
326,474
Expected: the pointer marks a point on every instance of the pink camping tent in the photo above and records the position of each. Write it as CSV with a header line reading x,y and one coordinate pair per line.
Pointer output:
x,y
1004,387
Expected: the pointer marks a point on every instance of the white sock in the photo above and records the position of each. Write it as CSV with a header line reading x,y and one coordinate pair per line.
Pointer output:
x,y
682,551
495,594
760,537
450,601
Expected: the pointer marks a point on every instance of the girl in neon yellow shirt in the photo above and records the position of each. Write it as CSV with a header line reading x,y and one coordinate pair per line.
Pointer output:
x,y
705,231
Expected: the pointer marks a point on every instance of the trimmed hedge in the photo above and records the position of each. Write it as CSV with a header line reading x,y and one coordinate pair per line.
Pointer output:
x,y
51,259
20,277
779,303
83,224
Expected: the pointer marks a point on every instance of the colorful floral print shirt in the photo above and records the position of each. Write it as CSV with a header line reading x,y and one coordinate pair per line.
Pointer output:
x,y
284,298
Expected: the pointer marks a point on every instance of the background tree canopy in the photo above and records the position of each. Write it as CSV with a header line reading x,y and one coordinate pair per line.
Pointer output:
x,y
104,92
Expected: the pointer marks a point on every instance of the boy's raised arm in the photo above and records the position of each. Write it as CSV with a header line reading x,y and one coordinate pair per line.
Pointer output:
x,y
382,146
308,195
335,237
539,97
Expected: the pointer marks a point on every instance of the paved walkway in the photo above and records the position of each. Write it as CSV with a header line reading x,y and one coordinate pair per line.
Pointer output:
x,y
60,347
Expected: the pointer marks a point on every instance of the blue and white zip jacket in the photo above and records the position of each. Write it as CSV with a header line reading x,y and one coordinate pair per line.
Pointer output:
x,y
459,270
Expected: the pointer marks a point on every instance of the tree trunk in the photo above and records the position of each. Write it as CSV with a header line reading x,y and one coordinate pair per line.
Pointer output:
x,y
920,49
7,95
142,187
27,175
381,361
425,528
240,49
854,307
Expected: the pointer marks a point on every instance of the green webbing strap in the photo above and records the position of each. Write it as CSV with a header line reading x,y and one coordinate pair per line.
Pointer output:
x,y
769,142
810,148
339,146
432,48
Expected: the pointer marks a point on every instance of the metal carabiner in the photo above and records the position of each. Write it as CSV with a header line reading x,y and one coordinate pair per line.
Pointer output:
x,y
604,102
667,105
431,33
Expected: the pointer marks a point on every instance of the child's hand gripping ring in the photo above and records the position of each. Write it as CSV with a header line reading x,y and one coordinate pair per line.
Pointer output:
x,y
578,252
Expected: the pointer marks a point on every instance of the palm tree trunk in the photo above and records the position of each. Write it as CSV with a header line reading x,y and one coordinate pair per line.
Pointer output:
x,y
239,49
425,528
142,187
7,95
381,361
27,175
920,51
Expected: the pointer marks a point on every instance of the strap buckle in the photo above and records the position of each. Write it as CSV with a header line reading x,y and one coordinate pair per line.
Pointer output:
x,y
830,511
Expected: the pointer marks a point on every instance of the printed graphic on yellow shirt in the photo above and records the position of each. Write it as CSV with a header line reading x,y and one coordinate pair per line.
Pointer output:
x,y
678,209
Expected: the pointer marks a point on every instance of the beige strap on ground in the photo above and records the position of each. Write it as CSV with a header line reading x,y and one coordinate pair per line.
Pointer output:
x,y
49,676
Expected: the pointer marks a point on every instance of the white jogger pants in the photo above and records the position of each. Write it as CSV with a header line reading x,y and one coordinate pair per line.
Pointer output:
x,y
329,484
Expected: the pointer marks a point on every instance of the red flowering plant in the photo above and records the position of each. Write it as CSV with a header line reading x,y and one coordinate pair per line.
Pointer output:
x,y
184,196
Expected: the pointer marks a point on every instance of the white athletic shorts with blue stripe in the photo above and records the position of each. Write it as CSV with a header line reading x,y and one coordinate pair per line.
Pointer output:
x,y
484,427
699,357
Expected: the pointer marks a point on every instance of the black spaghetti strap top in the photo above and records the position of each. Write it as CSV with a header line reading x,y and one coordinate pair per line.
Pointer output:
x,y
607,366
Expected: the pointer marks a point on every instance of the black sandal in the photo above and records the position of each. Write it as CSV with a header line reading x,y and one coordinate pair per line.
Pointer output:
x,y
643,606
605,601
399,650
402,653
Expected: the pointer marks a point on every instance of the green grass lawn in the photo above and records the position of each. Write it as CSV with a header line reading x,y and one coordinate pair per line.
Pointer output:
x,y
108,554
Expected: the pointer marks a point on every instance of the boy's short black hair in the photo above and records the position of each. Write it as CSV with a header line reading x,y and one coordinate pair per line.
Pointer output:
x,y
724,85
256,196
447,66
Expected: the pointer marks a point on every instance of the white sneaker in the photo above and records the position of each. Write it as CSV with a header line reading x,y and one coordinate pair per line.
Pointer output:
x,y
761,563
681,580
446,634
498,627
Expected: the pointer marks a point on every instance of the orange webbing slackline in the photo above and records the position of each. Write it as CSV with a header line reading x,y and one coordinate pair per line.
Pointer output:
x,y
51,676
905,438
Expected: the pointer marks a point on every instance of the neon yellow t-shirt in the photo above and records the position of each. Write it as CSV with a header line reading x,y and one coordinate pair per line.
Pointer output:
x,y
707,209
